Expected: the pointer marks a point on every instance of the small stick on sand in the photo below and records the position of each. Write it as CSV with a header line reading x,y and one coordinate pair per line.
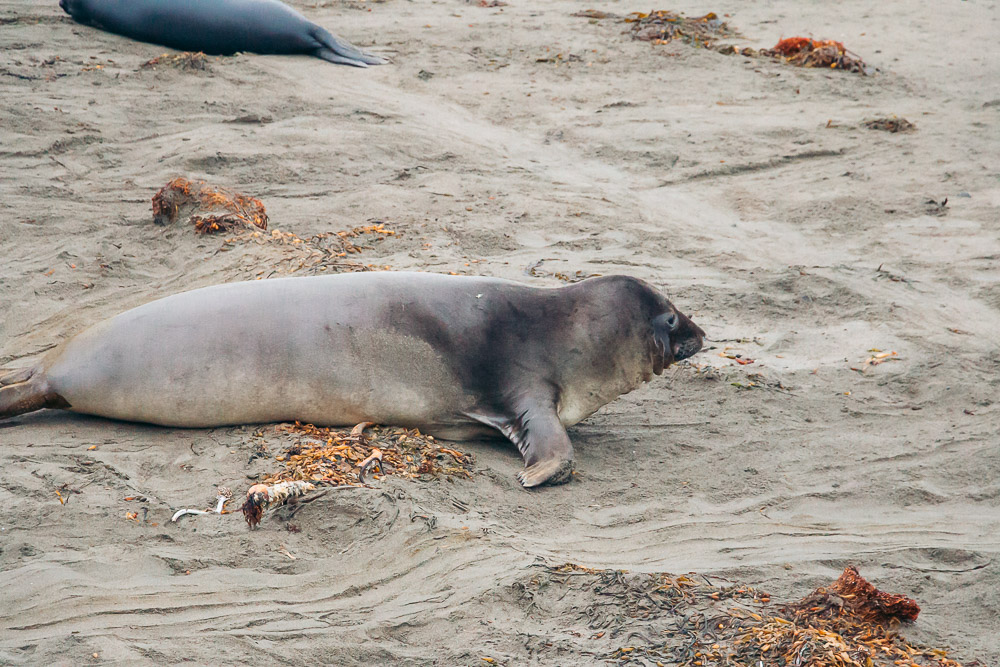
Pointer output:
x,y
223,497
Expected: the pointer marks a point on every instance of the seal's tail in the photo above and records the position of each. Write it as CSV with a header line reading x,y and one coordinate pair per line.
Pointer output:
x,y
26,390
336,50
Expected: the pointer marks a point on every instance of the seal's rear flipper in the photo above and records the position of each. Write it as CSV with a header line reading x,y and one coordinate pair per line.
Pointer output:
x,y
335,50
333,57
26,390
542,439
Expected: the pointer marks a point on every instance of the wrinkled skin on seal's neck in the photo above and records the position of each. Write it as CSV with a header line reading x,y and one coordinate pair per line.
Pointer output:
x,y
630,332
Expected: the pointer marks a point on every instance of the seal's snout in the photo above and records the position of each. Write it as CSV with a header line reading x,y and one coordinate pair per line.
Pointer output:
x,y
688,339
687,348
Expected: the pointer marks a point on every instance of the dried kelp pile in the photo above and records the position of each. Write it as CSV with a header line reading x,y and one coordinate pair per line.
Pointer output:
x,y
336,457
212,210
325,252
187,60
332,457
534,269
847,623
209,208
691,620
662,26
806,52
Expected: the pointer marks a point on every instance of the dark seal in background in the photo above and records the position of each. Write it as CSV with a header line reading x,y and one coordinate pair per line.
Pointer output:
x,y
218,27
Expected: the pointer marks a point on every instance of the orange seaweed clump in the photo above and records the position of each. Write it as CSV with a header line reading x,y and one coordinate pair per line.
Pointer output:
x,y
852,595
793,45
847,624
228,210
806,52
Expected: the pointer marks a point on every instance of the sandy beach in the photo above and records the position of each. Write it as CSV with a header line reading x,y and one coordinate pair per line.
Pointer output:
x,y
522,142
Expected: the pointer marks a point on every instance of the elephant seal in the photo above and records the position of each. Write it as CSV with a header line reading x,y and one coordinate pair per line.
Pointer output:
x,y
218,27
456,356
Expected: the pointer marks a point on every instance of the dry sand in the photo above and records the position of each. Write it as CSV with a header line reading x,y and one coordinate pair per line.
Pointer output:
x,y
500,137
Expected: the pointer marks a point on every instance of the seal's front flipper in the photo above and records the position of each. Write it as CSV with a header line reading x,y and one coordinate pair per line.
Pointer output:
x,y
542,439
544,444
546,471
335,50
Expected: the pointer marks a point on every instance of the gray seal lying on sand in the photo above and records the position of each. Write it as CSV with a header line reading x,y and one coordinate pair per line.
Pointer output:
x,y
456,356
218,27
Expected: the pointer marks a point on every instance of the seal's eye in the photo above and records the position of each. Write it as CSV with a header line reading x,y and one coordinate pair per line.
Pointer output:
x,y
671,320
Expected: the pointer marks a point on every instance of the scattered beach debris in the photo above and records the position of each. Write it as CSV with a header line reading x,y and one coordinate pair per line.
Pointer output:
x,y
691,620
327,251
758,381
251,119
806,52
738,357
662,26
889,275
261,496
559,59
730,49
228,210
224,495
595,14
189,60
876,357
534,269
936,208
890,124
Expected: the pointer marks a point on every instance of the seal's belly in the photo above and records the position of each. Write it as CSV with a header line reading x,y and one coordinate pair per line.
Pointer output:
x,y
174,365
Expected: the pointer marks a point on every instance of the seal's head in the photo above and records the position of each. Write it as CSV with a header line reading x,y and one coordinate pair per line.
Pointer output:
x,y
654,324
676,337
621,331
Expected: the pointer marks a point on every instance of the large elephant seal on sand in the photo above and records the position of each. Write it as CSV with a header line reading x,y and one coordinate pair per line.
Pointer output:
x,y
218,27
453,355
